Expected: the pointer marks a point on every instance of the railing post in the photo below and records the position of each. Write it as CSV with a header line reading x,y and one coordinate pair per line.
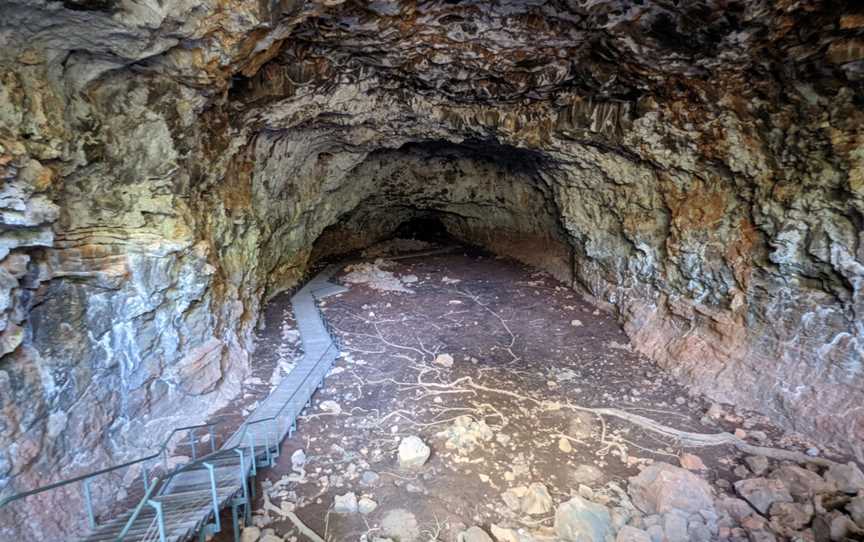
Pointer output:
x,y
276,436
252,453
192,443
88,503
145,477
212,439
212,470
245,483
160,518
269,459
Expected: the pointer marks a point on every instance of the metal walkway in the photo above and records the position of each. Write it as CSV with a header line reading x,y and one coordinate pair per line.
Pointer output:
x,y
187,500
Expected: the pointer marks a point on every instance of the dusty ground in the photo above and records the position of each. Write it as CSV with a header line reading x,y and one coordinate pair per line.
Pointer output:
x,y
521,343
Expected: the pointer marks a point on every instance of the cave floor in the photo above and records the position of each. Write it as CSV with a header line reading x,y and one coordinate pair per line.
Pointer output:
x,y
520,344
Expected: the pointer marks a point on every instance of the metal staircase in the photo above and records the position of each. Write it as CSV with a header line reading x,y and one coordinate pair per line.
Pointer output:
x,y
187,500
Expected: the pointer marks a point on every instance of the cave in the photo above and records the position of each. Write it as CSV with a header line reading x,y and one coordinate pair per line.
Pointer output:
x,y
400,271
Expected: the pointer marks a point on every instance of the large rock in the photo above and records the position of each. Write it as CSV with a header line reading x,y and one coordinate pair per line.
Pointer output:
x,y
761,493
473,534
662,487
578,520
847,478
632,534
801,482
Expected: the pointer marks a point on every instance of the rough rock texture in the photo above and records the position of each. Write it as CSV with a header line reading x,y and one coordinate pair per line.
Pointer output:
x,y
696,167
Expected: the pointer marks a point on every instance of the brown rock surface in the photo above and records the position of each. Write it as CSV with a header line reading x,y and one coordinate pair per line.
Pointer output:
x,y
694,167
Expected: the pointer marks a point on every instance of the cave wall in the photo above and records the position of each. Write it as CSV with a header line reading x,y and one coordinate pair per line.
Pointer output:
x,y
166,168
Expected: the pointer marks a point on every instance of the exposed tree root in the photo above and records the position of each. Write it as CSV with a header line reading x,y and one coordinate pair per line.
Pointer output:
x,y
685,438
304,530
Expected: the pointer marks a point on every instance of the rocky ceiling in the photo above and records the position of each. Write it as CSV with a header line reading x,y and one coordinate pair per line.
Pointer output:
x,y
697,168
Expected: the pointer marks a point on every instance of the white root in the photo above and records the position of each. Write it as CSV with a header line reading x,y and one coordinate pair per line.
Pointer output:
x,y
304,530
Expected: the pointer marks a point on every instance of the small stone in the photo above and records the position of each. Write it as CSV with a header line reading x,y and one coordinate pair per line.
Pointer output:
x,y
330,406
692,462
536,500
578,520
250,534
564,445
298,460
345,504
848,478
632,534
757,464
369,478
474,534
715,411
761,493
741,471
366,505
576,323
740,433
444,360
413,453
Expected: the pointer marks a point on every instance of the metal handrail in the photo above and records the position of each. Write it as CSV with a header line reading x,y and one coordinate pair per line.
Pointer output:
x,y
275,417
161,481
162,449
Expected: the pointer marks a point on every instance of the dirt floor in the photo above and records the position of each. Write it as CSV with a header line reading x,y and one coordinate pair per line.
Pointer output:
x,y
475,355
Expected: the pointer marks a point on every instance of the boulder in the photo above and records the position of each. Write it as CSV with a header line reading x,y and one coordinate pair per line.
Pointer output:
x,y
662,487
856,509
736,508
791,515
801,482
578,520
847,478
675,526
413,453
761,493
632,534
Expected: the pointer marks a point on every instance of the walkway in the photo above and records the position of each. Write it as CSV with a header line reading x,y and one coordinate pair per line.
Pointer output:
x,y
189,499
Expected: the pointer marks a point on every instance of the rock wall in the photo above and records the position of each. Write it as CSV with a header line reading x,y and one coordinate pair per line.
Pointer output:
x,y
165,169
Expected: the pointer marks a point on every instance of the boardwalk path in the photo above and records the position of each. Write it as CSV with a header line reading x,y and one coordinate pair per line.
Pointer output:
x,y
191,497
